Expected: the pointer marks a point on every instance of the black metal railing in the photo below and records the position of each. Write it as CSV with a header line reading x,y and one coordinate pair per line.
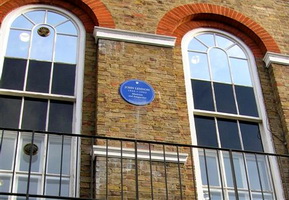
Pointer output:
x,y
46,165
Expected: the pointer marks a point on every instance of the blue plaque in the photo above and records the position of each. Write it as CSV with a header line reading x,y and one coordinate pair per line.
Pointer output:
x,y
137,92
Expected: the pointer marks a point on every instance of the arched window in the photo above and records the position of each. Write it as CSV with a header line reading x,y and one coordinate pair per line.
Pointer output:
x,y
41,73
226,111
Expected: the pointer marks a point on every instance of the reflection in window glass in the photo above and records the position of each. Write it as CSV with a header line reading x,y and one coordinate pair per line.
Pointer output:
x,y
36,16
236,51
223,42
197,45
67,28
55,18
65,50
22,22
219,66
207,39
199,66
240,72
7,151
5,183
33,187
52,186
18,44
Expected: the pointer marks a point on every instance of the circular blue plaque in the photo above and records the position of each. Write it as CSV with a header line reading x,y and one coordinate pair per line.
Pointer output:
x,y
137,92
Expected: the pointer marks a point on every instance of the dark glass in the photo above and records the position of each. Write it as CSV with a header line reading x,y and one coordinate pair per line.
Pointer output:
x,y
34,114
63,79
202,93
229,136
251,136
206,131
246,101
9,111
13,74
60,116
225,98
38,76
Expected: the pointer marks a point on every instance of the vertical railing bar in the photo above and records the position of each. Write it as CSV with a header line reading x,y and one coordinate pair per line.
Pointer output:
x,y
180,175
282,176
234,175
207,173
272,180
259,175
91,168
45,166
221,177
247,177
14,165
136,171
61,164
165,169
193,173
121,170
76,167
2,138
30,166
151,171
106,170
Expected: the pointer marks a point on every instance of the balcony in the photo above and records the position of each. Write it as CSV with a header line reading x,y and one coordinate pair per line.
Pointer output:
x,y
43,165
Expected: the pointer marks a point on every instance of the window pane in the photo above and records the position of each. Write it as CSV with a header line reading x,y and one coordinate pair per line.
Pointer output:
x,y
211,162
251,136
60,116
42,47
236,51
225,98
253,172
13,74
55,152
38,76
219,66
22,22
7,150
33,187
67,28
36,16
197,46
223,42
34,114
66,48
207,39
55,18
240,72
199,66
206,131
52,186
246,101
63,79
259,196
5,181
202,94
9,111
229,134
18,44
264,173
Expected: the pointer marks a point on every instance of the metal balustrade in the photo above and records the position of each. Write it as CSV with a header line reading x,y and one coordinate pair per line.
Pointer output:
x,y
46,165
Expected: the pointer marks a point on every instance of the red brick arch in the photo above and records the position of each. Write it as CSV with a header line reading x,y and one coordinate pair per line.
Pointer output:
x,y
178,21
91,13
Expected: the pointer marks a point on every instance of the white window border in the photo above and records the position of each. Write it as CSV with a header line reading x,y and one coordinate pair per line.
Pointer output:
x,y
264,125
77,115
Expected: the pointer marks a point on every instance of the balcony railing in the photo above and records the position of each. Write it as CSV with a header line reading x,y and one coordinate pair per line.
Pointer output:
x,y
42,165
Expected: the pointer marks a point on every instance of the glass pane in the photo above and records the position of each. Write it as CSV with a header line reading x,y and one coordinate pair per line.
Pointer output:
x,y
251,136
202,94
197,46
52,186
42,46
219,66
34,185
236,51
229,134
67,28
225,100
22,22
206,131
66,48
240,72
223,42
199,66
38,76
264,174
36,16
253,172
13,74
60,116
259,196
37,157
241,196
55,152
18,44
246,101
5,181
7,150
63,79
34,114
9,111
207,39
55,18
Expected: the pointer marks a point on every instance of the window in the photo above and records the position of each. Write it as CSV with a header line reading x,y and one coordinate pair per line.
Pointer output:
x,y
41,76
222,88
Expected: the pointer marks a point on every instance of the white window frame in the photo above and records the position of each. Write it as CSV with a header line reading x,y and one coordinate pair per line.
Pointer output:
x,y
77,99
262,120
